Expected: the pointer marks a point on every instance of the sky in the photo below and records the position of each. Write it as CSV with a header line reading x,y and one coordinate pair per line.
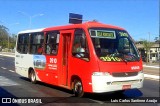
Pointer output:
x,y
139,17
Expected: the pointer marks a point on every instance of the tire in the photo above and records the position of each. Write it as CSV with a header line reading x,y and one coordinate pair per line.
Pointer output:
x,y
33,77
78,88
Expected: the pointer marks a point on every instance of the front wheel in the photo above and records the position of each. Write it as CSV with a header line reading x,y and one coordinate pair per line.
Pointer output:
x,y
78,88
33,77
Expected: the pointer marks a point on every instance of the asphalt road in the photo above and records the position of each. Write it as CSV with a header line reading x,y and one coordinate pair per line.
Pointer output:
x,y
13,85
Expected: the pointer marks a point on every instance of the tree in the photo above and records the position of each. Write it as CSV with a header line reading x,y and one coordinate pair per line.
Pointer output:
x,y
147,46
6,39
12,41
3,36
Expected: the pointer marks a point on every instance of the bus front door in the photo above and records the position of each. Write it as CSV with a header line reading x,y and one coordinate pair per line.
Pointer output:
x,y
66,38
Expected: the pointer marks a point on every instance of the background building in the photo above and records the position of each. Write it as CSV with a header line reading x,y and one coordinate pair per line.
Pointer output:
x,y
154,52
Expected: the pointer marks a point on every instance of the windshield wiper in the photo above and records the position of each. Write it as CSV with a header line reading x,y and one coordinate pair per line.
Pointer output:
x,y
124,59
130,57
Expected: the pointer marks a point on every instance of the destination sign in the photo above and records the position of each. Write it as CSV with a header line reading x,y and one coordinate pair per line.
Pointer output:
x,y
106,34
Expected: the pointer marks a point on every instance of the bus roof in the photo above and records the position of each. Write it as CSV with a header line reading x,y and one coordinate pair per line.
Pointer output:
x,y
32,31
90,24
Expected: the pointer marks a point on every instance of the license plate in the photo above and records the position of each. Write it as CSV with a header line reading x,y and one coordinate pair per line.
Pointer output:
x,y
126,87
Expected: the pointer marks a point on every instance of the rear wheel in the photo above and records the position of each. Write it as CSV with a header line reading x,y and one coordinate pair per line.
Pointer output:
x,y
78,88
33,77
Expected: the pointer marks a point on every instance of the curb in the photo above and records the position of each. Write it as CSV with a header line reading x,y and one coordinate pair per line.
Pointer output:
x,y
7,55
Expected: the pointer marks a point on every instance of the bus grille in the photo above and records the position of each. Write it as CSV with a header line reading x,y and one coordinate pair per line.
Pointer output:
x,y
125,74
124,82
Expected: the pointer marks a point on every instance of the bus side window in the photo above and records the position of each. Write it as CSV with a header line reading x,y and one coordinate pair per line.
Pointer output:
x,y
22,44
80,46
36,43
52,42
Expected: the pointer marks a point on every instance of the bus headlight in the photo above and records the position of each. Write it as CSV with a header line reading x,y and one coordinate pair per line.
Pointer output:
x,y
100,74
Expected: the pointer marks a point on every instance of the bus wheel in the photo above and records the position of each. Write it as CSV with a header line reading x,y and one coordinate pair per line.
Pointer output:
x,y
78,88
33,77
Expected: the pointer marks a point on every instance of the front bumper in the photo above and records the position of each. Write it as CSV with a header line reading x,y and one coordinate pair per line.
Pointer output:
x,y
109,83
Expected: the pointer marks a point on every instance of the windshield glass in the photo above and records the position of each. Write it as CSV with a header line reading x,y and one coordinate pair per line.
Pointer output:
x,y
113,45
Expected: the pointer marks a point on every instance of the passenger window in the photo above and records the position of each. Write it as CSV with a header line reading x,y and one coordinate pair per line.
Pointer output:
x,y
80,46
22,44
36,43
52,42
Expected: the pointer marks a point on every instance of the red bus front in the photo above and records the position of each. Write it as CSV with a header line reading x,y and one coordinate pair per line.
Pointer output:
x,y
109,61
120,65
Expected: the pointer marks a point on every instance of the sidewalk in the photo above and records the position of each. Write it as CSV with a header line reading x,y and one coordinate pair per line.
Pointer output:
x,y
151,65
9,54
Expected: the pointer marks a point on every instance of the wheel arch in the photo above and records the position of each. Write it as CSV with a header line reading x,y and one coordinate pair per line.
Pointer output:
x,y
74,77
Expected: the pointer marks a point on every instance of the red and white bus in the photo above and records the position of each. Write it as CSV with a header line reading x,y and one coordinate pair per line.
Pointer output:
x,y
86,57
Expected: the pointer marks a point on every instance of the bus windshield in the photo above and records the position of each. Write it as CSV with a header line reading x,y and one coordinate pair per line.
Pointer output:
x,y
113,45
